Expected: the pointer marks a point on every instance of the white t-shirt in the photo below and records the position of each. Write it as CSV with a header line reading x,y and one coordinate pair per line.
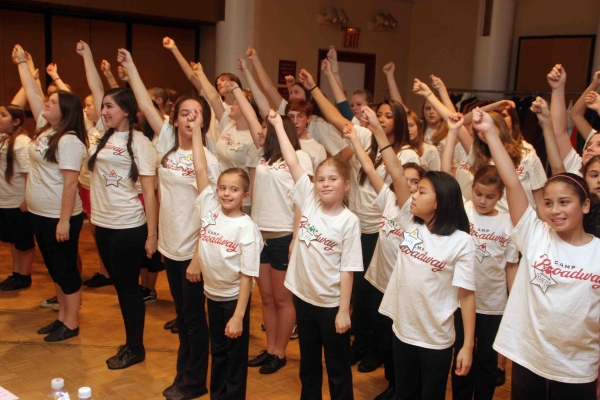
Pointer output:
x,y
233,145
46,182
327,246
573,163
390,236
228,247
178,222
493,249
423,291
13,194
430,160
272,208
114,197
363,196
315,150
551,325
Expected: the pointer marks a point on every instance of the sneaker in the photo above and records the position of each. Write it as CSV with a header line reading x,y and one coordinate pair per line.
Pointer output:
x,y
261,359
273,365
370,363
17,282
500,377
49,303
98,280
294,332
148,295
356,354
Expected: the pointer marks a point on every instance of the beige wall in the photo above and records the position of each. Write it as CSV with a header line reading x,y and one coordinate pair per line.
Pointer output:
x,y
288,30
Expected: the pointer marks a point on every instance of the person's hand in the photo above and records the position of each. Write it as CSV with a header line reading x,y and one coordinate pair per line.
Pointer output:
x,y
437,82
482,121
18,54
151,246
369,119
596,78
592,101
389,68
306,79
169,43
332,54
326,67
124,58
275,119
230,86
289,80
420,88
557,77
29,59
251,53
196,67
23,206
541,110
36,74
193,273
455,121
234,327
342,322
123,74
105,67
52,70
464,360
241,64
195,118
83,49
349,132
62,230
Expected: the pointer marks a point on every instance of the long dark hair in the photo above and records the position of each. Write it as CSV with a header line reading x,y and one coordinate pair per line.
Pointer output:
x,y
125,99
71,123
15,112
145,127
450,213
272,150
205,121
400,131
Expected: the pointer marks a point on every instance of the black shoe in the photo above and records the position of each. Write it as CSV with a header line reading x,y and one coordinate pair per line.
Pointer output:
x,y
50,328
177,394
369,364
500,377
98,280
16,282
273,365
169,325
175,330
356,354
168,390
62,333
261,359
387,394
125,358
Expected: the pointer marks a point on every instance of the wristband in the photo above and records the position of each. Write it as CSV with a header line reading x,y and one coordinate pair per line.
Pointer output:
x,y
385,147
336,73
57,79
156,234
314,87
428,94
20,62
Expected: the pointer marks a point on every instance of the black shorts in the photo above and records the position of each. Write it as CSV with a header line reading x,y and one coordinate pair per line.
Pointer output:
x,y
16,227
275,252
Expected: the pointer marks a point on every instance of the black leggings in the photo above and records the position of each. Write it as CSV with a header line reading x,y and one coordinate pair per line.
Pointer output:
x,y
121,251
529,386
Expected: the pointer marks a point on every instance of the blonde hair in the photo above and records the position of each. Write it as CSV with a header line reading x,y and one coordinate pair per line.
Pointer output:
x,y
341,167
417,143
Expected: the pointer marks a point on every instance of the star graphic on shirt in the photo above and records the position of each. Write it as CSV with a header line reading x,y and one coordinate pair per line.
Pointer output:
x,y
411,239
112,179
543,279
389,226
209,219
234,145
185,162
42,146
481,252
307,235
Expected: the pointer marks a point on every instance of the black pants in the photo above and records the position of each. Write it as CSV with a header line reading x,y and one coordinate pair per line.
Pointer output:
x,y
229,366
481,380
385,338
60,257
363,313
421,374
316,331
121,251
529,386
192,356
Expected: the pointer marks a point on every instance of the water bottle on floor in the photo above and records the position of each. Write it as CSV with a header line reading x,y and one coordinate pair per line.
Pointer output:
x,y
85,393
57,386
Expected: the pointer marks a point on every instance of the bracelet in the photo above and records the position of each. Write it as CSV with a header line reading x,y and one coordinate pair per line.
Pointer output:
x,y
314,87
336,73
428,94
385,147
156,234
57,79
237,87
20,62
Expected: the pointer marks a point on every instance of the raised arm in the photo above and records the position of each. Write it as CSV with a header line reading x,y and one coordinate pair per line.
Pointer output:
x,y
210,92
263,77
364,159
331,113
259,97
142,97
200,165
338,92
335,67
592,100
110,78
170,45
439,85
388,70
33,70
93,77
287,150
578,110
540,109
32,91
247,111
52,71
390,159
557,79
515,194
455,122
498,106
20,98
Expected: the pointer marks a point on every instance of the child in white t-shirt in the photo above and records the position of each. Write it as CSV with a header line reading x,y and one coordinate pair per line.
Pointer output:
x,y
321,270
300,112
551,327
227,258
